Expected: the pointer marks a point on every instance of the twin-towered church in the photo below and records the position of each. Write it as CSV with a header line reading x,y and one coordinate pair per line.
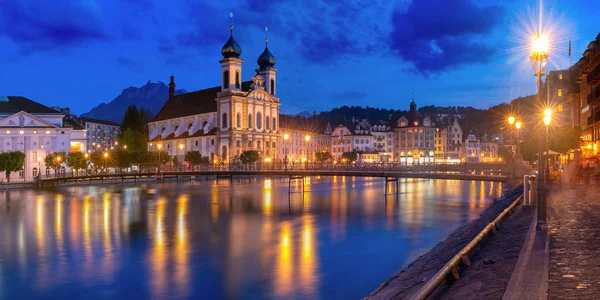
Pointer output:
x,y
223,121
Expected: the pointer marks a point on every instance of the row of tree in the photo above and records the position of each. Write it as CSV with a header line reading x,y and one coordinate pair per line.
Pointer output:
x,y
11,162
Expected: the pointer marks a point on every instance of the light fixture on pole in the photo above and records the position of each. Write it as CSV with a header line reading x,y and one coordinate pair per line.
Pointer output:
x,y
538,59
286,137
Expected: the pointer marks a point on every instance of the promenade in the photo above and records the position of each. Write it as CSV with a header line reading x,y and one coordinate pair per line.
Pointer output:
x,y
574,228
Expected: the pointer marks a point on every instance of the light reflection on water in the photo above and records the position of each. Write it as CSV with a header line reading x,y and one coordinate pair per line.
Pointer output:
x,y
208,239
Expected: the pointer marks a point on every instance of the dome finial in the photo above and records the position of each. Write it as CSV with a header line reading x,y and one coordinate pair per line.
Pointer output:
x,y
231,49
266,59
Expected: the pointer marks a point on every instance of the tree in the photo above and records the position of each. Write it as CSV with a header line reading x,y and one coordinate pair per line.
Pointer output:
x,y
349,156
11,162
322,156
76,161
250,156
120,158
134,129
195,157
506,154
175,161
55,160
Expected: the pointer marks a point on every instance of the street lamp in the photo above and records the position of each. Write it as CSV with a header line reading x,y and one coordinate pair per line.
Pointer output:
x,y
286,137
307,139
105,159
87,156
538,60
547,119
159,146
511,120
518,125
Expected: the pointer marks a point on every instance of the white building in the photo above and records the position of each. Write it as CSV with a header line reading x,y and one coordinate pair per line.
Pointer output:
x,y
301,138
351,136
472,149
448,142
414,138
101,134
37,131
223,121
383,141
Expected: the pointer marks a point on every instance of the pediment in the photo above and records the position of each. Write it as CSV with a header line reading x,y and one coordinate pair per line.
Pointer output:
x,y
260,95
23,119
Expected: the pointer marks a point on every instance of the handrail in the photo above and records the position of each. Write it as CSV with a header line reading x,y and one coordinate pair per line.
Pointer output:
x,y
439,277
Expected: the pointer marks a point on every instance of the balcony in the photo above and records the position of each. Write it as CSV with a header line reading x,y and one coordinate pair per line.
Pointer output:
x,y
594,76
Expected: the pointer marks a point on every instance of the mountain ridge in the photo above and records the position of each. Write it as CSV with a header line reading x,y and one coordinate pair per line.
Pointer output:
x,y
151,96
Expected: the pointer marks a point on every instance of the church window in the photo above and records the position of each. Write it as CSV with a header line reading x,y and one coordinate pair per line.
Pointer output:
x,y
250,144
274,123
274,145
272,86
267,122
212,142
258,144
238,143
224,121
249,120
258,121
237,79
560,92
196,143
238,120
190,126
226,80
224,151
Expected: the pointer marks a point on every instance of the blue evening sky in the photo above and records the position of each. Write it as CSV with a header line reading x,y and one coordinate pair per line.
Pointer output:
x,y
78,53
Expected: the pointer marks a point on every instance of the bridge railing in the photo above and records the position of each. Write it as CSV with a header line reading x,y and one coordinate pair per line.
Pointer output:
x,y
470,168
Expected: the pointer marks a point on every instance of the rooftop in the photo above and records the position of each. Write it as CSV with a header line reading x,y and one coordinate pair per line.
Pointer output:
x,y
15,104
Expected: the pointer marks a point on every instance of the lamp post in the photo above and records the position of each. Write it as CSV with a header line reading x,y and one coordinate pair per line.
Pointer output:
x,y
105,159
547,120
307,139
87,161
159,147
538,59
286,137
58,159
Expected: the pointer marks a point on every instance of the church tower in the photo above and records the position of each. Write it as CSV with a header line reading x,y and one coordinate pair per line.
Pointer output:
x,y
266,61
172,87
231,64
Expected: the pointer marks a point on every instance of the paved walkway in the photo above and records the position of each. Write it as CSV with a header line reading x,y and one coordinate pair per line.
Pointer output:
x,y
574,225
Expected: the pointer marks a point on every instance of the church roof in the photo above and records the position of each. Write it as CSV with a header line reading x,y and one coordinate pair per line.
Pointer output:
x,y
15,104
193,103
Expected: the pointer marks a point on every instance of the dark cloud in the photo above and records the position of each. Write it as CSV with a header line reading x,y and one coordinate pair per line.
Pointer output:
x,y
438,35
40,25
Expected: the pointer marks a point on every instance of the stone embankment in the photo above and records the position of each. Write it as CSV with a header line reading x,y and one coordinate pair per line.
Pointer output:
x,y
492,261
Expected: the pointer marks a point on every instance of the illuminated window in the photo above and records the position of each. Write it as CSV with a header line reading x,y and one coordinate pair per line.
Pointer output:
x,y
21,132
8,132
560,108
560,92
560,76
47,131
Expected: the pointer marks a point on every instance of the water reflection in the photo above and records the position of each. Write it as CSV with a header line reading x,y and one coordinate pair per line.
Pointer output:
x,y
208,239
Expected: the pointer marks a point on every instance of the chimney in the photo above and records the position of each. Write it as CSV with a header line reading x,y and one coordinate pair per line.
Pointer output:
x,y
172,87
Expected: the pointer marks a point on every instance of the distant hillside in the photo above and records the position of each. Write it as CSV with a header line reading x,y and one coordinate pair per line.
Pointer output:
x,y
151,96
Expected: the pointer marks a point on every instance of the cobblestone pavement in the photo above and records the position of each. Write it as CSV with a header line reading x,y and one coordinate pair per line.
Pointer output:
x,y
479,281
574,225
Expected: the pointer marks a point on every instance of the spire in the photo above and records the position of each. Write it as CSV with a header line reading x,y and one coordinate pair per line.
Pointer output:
x,y
231,47
413,105
172,86
266,59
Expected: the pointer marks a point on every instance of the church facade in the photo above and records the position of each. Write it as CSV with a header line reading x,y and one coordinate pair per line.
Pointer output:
x,y
223,121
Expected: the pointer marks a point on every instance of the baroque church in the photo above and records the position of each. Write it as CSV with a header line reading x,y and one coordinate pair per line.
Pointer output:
x,y
223,121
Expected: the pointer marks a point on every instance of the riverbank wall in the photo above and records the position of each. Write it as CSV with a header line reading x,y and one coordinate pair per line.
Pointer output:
x,y
492,261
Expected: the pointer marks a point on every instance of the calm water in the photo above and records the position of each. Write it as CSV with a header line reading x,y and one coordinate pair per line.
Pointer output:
x,y
210,240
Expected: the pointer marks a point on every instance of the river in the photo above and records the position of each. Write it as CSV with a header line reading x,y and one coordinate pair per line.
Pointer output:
x,y
255,238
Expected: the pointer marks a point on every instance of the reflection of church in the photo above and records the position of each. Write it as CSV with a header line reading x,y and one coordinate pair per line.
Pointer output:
x,y
221,122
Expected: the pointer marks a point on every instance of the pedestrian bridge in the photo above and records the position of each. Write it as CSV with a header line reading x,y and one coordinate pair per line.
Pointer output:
x,y
84,177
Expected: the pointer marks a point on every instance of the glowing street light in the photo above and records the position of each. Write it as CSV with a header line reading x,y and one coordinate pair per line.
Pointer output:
x,y
181,146
518,125
307,138
511,120
159,146
286,137
539,44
